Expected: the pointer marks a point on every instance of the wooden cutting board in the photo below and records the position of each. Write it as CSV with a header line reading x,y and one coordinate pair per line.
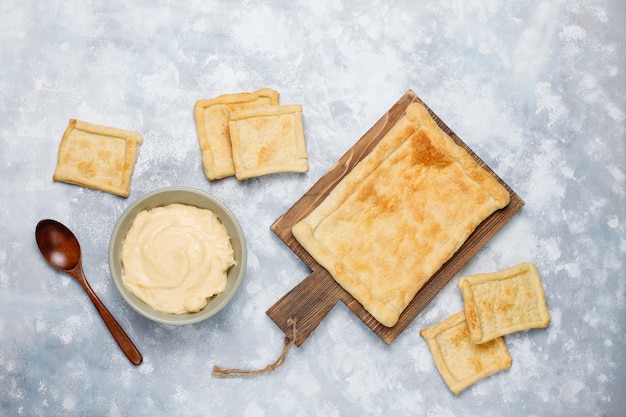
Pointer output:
x,y
311,300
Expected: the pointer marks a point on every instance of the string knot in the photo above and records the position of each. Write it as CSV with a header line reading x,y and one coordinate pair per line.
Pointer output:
x,y
220,372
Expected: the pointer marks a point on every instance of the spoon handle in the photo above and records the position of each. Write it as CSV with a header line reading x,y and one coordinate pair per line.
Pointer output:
x,y
120,336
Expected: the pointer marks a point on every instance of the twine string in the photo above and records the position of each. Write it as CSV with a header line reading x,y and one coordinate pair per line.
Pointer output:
x,y
220,372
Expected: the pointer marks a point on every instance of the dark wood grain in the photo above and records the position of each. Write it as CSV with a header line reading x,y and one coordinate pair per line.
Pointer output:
x,y
311,300
60,248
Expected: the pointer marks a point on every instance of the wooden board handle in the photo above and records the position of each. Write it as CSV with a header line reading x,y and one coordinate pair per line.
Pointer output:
x,y
308,302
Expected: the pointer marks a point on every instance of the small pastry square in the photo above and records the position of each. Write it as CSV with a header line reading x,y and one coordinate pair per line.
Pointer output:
x,y
268,140
98,157
461,362
504,302
212,118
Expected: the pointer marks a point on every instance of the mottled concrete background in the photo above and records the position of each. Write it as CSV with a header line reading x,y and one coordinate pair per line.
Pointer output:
x,y
535,88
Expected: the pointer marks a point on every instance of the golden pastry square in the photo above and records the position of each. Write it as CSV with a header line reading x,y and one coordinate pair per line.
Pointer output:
x,y
504,302
268,140
388,226
98,157
212,117
461,362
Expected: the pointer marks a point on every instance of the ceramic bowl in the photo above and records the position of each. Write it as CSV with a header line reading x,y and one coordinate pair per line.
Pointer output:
x,y
193,197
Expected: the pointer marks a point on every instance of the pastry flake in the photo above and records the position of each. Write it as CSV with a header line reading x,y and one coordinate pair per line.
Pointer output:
x,y
400,214
504,302
98,157
267,140
212,117
461,362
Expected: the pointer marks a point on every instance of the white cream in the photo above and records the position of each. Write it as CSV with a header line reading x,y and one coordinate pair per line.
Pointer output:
x,y
176,257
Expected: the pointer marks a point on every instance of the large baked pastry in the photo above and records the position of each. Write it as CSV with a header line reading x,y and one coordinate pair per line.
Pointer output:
x,y
96,156
461,362
503,302
212,117
400,214
268,140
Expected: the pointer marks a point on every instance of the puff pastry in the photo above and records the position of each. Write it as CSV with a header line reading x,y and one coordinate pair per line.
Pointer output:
x,y
267,140
400,214
212,117
460,362
504,302
98,157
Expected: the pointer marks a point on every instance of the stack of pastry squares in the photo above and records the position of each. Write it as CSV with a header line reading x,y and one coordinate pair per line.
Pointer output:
x,y
99,157
469,345
249,135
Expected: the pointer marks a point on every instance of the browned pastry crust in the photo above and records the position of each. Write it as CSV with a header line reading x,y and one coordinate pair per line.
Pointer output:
x,y
461,362
267,140
98,157
504,302
400,214
212,117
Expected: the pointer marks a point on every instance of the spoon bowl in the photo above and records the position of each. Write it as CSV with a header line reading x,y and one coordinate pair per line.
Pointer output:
x,y
58,245
60,248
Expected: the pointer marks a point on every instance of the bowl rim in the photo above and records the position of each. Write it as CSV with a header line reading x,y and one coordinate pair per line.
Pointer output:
x,y
126,219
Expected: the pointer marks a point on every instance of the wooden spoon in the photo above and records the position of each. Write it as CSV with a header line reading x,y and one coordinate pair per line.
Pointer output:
x,y
60,248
